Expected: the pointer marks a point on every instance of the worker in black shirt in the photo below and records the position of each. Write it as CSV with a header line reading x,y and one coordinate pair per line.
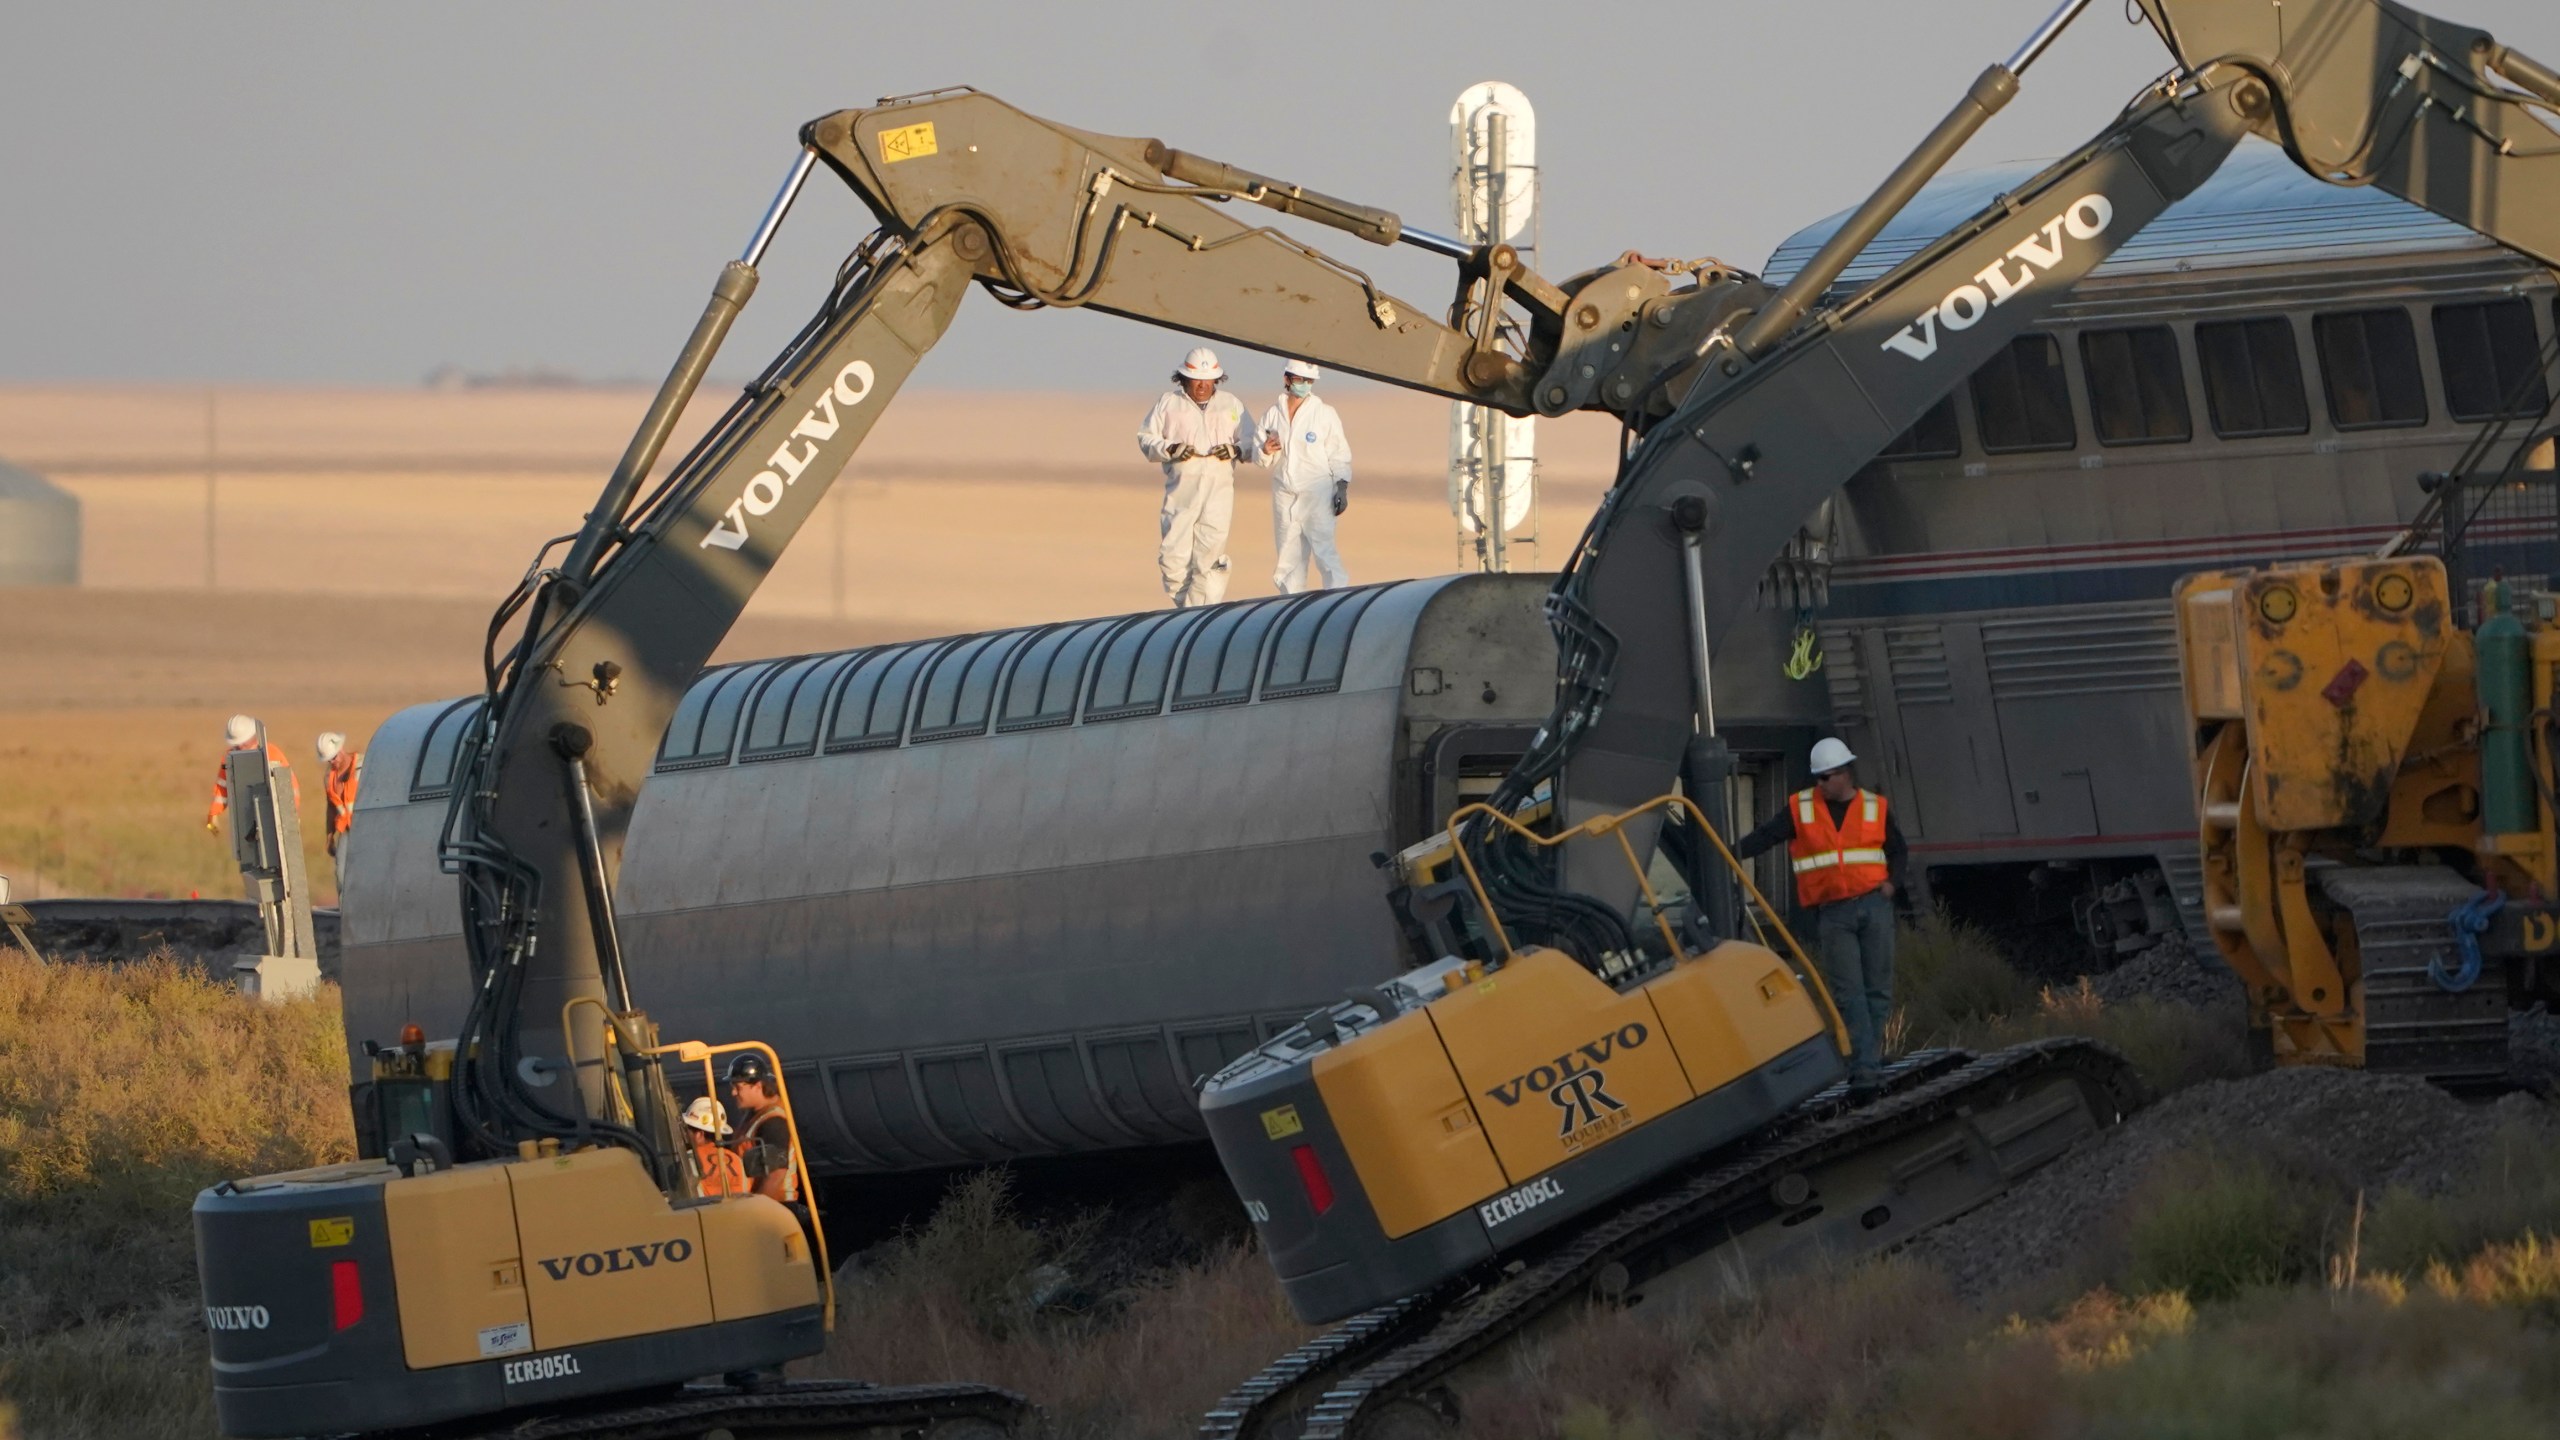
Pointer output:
x,y
1846,851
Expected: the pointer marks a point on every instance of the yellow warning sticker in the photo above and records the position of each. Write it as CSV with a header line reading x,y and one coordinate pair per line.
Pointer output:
x,y
1282,1123
338,1231
906,143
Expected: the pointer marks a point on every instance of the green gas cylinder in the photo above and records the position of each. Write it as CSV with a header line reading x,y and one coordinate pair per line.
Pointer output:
x,y
2506,693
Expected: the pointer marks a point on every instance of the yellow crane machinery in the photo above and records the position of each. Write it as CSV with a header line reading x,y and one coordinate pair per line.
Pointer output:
x,y
2374,783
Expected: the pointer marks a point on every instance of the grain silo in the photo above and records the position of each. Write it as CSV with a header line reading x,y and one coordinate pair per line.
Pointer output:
x,y
39,530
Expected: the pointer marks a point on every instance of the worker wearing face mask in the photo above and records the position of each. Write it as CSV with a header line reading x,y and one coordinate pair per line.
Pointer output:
x,y
1310,463
1197,434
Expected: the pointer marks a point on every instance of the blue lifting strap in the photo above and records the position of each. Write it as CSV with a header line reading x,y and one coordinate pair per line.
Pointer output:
x,y
2470,920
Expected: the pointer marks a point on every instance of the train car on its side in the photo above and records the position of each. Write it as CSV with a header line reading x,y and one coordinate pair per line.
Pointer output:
x,y
1006,895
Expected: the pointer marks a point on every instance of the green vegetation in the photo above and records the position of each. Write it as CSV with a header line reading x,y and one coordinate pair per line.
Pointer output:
x,y
1952,987
2213,1227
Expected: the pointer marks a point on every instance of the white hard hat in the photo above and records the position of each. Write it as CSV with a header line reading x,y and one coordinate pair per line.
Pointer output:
x,y
704,1114
1303,369
1829,755
240,730
331,742
1202,364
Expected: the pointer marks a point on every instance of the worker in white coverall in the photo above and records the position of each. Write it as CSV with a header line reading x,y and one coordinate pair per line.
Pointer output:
x,y
1310,464
1197,433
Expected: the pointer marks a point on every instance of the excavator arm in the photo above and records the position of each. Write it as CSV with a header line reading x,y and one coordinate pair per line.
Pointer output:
x,y
1749,406
1780,411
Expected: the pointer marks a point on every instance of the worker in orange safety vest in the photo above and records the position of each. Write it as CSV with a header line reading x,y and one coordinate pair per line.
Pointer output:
x,y
343,770
723,1173
241,733
1845,850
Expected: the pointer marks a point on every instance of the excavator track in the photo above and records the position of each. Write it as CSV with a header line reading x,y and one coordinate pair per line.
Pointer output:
x,y
1941,1111
790,1410
2401,919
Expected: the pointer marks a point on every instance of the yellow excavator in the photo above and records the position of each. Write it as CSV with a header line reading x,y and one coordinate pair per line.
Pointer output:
x,y
1582,1097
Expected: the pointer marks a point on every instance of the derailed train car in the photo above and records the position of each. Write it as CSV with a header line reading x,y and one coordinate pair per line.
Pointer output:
x,y
1008,894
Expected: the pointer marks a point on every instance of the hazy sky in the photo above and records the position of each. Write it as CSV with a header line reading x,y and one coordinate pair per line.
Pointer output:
x,y
358,193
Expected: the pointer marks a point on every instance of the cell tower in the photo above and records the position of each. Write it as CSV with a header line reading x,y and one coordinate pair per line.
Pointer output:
x,y
1493,185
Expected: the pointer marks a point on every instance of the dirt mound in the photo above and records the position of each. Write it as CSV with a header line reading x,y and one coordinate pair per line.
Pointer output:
x,y
2359,1131
205,934
2172,972
2533,1049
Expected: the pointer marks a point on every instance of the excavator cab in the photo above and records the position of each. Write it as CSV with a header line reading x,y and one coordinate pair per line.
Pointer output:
x,y
1419,1127
406,1289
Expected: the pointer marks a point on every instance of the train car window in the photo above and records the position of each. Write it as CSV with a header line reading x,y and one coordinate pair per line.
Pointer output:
x,y
443,749
960,694
2252,378
1218,669
1129,674
773,702
1931,437
1314,643
2137,392
2020,399
1042,690
2491,360
809,705
874,706
701,732
2369,367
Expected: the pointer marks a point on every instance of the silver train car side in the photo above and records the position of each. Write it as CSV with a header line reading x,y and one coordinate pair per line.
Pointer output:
x,y
1007,895
2262,374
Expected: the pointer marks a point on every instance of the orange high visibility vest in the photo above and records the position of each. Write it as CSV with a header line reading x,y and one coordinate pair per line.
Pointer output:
x,y
1837,864
723,1173
222,778
339,786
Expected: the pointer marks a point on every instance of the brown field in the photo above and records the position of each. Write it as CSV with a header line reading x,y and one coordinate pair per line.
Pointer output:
x,y
360,537
963,510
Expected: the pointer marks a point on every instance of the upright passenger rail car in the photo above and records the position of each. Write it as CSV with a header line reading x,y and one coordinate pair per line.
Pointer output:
x,y
1006,895
2262,374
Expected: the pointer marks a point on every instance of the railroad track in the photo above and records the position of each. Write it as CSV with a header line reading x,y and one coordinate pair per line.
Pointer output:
x,y
206,932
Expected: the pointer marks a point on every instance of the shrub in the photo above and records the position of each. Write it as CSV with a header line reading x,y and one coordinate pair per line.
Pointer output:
x,y
122,1092
955,1299
1953,988
1948,977
144,1083
2173,1046
2513,1192
2210,1228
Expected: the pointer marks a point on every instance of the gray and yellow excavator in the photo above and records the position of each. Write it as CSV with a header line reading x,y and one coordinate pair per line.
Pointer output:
x,y
523,1244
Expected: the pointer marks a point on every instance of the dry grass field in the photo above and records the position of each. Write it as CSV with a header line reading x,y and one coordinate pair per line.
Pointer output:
x,y
360,537
111,725
2226,1306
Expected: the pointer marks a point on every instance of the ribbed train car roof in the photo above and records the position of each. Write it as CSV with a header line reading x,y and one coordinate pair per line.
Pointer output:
x,y
2259,209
